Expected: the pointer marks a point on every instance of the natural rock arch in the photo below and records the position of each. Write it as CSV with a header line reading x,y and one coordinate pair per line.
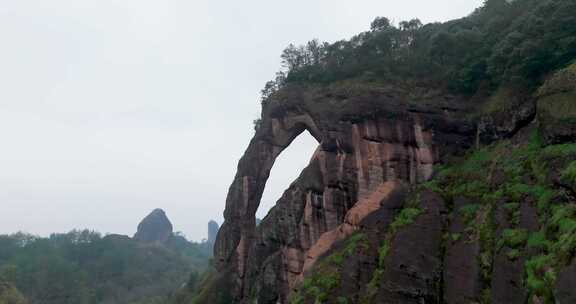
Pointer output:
x,y
245,193
367,140
288,165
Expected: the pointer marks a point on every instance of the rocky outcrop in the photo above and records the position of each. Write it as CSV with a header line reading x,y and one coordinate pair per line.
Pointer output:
x,y
154,228
556,106
212,232
367,137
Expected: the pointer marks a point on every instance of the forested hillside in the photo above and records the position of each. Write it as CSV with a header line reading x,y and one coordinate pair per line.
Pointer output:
x,y
512,42
83,267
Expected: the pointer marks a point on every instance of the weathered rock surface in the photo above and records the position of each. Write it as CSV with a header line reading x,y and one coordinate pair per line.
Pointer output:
x,y
413,269
565,291
366,138
154,228
557,106
461,270
374,145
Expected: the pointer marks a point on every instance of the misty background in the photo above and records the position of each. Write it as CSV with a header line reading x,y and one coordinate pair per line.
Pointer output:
x,y
111,108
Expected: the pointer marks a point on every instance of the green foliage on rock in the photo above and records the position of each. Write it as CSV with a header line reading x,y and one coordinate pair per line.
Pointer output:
x,y
569,174
559,106
354,242
326,275
405,217
506,175
562,81
10,295
513,238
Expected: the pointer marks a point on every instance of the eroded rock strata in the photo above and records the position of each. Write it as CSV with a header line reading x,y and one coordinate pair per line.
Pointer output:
x,y
445,170
372,142
371,220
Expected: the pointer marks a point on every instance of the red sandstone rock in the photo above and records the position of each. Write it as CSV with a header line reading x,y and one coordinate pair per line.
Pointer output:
x,y
369,144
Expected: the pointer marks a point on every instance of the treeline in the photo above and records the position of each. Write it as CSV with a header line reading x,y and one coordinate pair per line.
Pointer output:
x,y
504,41
84,267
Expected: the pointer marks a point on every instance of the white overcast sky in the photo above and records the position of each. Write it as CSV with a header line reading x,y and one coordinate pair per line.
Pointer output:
x,y
111,108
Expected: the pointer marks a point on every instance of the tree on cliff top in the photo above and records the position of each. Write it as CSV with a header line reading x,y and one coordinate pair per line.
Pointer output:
x,y
503,41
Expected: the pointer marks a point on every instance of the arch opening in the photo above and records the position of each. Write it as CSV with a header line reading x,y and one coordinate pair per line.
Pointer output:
x,y
285,170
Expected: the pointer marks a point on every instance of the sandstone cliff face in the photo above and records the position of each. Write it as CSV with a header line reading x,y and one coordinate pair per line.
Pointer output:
x,y
362,224
372,142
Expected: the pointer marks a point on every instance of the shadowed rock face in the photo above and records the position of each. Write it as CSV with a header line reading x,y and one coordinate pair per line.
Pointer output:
x,y
565,284
154,228
371,141
412,272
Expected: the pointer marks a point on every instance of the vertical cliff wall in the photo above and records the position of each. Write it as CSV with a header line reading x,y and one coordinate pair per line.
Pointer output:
x,y
372,142
369,220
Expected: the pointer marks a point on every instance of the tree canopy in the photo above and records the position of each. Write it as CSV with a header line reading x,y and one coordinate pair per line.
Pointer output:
x,y
503,41
84,267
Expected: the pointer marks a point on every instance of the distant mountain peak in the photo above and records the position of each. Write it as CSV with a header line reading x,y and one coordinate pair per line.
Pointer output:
x,y
154,228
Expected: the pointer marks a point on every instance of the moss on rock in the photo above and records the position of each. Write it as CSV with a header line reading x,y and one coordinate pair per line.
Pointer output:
x,y
10,295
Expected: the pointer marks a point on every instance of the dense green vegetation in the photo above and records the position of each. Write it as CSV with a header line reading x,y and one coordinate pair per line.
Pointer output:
x,y
82,267
503,42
